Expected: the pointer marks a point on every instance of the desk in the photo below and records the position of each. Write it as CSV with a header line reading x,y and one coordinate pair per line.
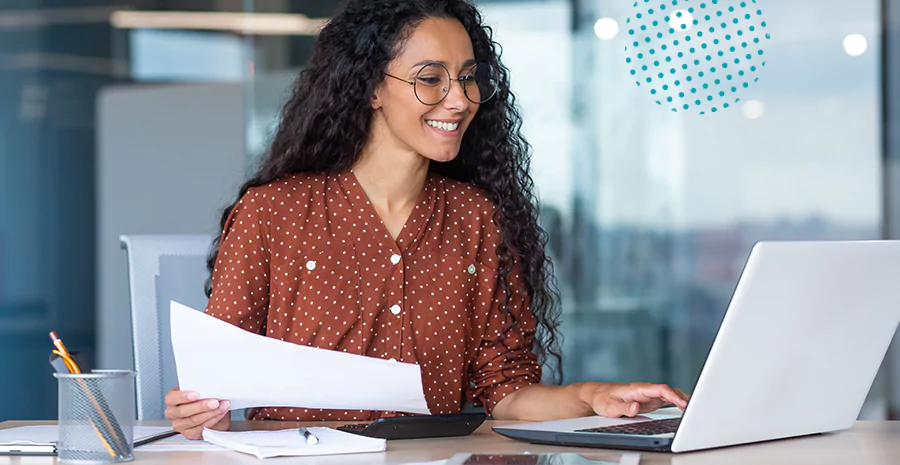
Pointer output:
x,y
869,442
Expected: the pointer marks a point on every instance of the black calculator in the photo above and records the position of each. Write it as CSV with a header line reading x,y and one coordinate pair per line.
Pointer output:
x,y
417,427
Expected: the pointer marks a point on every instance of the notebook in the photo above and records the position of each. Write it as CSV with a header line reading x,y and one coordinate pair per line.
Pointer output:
x,y
41,439
289,442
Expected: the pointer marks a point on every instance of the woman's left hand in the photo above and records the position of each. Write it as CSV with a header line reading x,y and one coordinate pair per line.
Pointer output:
x,y
630,399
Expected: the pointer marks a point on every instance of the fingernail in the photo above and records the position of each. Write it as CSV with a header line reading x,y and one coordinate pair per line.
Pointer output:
x,y
212,403
224,405
193,396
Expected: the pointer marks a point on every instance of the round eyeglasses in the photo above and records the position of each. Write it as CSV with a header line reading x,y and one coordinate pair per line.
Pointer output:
x,y
432,83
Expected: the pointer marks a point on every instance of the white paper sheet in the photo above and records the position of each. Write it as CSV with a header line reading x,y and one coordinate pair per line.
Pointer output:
x,y
46,434
222,361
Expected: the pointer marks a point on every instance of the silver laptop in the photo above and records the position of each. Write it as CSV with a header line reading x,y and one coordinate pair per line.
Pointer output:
x,y
806,330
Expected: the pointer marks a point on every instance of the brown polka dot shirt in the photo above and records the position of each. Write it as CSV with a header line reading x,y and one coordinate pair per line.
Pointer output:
x,y
306,259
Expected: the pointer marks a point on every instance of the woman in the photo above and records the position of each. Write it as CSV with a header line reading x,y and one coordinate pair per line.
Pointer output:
x,y
394,217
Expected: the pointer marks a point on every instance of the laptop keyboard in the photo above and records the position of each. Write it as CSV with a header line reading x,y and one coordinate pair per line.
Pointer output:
x,y
644,428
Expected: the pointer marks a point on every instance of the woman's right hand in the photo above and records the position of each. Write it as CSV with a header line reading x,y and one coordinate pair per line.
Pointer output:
x,y
190,414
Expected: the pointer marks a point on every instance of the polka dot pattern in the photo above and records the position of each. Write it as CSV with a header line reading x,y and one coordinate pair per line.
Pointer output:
x,y
306,259
696,55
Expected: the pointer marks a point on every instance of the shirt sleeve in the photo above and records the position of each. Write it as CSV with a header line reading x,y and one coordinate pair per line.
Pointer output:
x,y
505,361
240,280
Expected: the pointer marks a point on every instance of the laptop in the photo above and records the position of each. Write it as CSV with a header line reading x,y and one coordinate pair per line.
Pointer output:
x,y
796,353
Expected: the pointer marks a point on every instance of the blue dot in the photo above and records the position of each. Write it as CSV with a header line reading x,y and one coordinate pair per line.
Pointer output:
x,y
685,106
728,77
718,13
675,43
680,54
671,30
644,68
731,9
702,5
677,83
749,56
702,45
653,91
768,36
668,59
655,22
696,62
678,14
734,89
743,4
759,12
725,105
652,52
689,79
735,20
716,41
760,52
684,26
628,60
684,66
665,87
707,17
692,50
705,85
721,53
741,73
756,40
752,28
643,27
639,16
636,43
712,70
647,40
714,109
649,80
697,102
747,16
740,33
708,58
687,38
727,36
696,22
731,49
744,44
763,24
693,90
640,55
669,99
700,74
631,31
655,63
755,79
709,98
721,94
724,25
681,94
746,85
699,33
691,10
661,75
672,70
724,65
718,81
659,35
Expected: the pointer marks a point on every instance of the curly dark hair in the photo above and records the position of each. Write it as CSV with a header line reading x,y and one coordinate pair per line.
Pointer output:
x,y
325,125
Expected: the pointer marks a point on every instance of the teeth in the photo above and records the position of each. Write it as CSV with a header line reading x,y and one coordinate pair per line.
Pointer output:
x,y
442,125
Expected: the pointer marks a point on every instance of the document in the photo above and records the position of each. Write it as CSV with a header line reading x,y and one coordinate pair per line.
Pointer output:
x,y
221,361
49,434
289,442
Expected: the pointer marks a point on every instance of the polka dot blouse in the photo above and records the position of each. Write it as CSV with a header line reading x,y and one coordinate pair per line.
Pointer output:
x,y
306,259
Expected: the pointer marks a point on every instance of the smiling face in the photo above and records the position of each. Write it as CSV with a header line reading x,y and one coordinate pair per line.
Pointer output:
x,y
432,131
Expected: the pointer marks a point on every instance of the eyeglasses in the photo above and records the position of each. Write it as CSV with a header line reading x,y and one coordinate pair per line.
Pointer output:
x,y
432,83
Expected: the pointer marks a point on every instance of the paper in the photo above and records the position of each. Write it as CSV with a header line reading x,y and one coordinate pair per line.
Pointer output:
x,y
180,443
289,442
48,434
222,361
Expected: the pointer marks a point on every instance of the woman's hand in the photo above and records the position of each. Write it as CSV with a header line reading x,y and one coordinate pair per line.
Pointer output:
x,y
190,414
630,399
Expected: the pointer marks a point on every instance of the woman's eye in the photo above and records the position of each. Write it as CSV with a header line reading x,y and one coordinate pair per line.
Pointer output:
x,y
430,81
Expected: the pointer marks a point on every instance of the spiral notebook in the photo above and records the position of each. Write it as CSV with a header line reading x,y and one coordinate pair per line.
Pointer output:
x,y
290,442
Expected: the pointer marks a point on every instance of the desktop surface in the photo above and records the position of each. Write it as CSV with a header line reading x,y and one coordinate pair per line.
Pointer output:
x,y
869,442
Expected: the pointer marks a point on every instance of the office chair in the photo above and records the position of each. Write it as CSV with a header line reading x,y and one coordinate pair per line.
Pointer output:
x,y
161,268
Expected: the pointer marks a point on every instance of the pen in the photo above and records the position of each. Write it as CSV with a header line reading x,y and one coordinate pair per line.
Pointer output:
x,y
310,438
155,438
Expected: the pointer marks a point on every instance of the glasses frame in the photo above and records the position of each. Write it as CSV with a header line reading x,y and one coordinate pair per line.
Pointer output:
x,y
463,82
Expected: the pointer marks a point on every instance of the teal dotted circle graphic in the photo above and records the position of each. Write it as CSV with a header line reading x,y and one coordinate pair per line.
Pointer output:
x,y
696,55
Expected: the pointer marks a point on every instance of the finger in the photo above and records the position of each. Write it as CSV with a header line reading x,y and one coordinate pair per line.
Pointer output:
x,y
176,396
683,395
195,430
194,408
661,391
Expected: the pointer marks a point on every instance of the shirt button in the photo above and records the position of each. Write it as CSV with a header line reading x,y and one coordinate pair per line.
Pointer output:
x,y
311,265
395,259
392,359
471,269
395,309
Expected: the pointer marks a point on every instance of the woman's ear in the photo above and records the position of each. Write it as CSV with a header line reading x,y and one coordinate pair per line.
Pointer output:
x,y
376,99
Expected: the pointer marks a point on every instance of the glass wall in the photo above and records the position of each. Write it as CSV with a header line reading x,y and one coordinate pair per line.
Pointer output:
x,y
652,213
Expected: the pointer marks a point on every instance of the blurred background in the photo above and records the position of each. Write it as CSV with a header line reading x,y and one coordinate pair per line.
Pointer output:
x,y
143,117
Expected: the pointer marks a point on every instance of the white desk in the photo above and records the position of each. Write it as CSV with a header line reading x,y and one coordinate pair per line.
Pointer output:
x,y
874,443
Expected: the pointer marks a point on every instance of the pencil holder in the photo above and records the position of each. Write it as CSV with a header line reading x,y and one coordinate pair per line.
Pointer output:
x,y
96,416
